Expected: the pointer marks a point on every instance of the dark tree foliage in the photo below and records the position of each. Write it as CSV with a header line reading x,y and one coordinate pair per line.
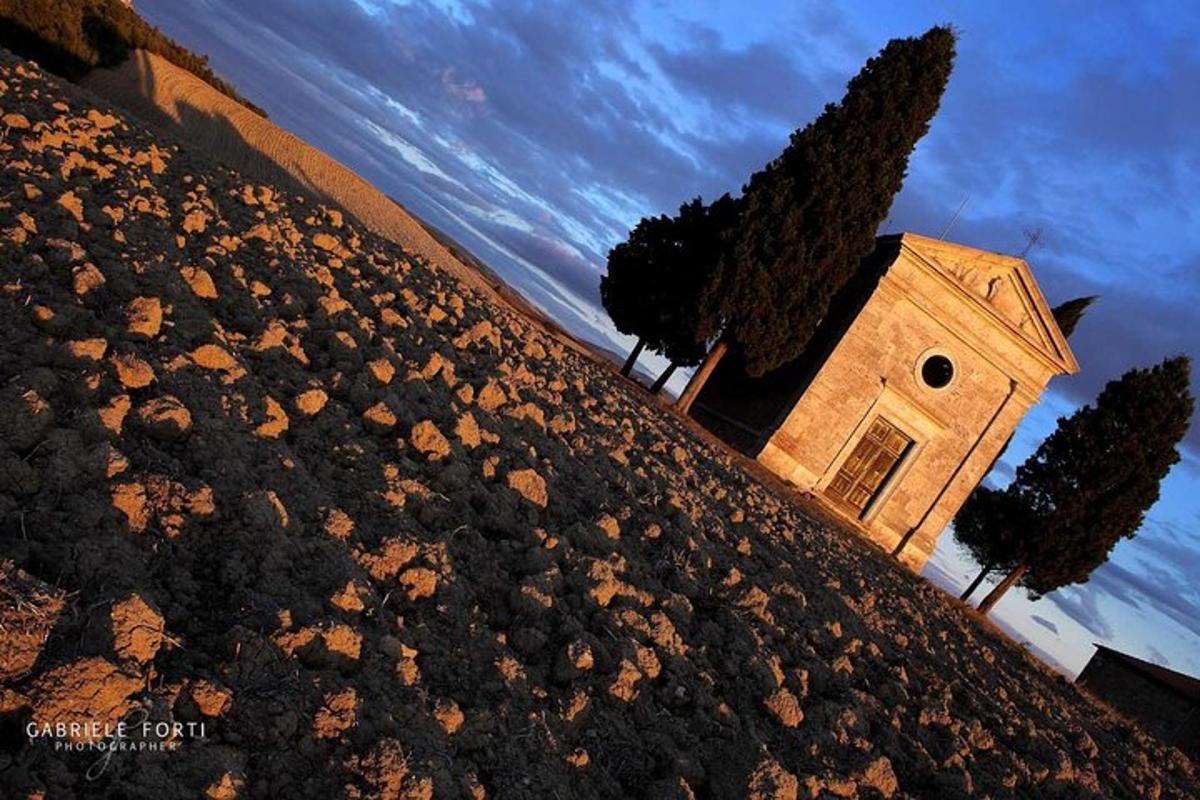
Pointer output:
x,y
695,313
992,524
1092,481
72,37
811,215
661,283
1068,314
992,527
632,288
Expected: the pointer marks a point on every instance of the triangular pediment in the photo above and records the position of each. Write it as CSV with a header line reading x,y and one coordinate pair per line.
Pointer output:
x,y
1004,287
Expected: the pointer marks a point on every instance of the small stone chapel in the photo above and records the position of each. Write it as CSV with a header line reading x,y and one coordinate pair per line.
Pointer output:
x,y
911,389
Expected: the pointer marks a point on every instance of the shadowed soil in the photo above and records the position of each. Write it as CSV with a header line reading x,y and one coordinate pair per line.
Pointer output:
x,y
177,101
262,469
183,107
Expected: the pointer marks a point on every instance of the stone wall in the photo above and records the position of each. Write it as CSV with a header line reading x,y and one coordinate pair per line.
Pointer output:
x,y
874,370
746,411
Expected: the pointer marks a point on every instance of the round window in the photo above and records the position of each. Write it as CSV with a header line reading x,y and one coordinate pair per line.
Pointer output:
x,y
937,372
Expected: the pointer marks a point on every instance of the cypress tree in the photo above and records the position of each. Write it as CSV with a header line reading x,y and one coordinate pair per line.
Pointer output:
x,y
988,524
1092,481
695,313
661,283
632,288
1068,314
811,215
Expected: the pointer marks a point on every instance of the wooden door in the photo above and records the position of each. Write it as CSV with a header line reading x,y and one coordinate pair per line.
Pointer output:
x,y
873,459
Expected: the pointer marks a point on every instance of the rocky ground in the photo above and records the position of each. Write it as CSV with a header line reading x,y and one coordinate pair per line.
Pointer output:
x,y
176,101
264,471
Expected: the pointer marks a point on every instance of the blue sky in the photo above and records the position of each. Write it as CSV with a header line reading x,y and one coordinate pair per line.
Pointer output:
x,y
538,132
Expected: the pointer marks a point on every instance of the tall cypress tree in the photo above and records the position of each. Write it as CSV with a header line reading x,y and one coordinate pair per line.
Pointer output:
x,y
633,287
1092,481
990,523
1068,314
811,215
695,311
662,282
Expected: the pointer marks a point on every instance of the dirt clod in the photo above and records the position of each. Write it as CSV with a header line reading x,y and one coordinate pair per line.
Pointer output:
x,y
449,716
311,402
137,629
166,418
210,699
27,615
144,316
427,439
84,695
530,485
770,781
786,708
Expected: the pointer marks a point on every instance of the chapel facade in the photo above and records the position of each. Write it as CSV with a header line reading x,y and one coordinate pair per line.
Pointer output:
x,y
909,392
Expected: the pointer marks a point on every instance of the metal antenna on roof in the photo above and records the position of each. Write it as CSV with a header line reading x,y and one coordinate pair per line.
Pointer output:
x,y
1033,238
954,218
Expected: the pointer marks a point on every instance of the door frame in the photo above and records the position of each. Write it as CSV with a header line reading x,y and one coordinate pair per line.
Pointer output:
x,y
911,419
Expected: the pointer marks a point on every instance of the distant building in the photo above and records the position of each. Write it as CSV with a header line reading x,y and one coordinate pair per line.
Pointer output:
x,y
912,388
1165,702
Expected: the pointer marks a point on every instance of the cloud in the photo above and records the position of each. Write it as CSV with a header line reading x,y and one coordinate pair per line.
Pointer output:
x,y
760,78
1045,623
464,90
1081,606
1160,586
563,262
1153,587
1141,113
1155,655
1168,542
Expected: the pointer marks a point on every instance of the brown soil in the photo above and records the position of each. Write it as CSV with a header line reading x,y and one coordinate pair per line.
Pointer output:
x,y
497,572
180,105
176,100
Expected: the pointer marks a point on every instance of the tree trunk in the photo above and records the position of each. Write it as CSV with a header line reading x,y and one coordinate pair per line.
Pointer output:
x,y
983,573
684,403
662,379
1002,587
633,357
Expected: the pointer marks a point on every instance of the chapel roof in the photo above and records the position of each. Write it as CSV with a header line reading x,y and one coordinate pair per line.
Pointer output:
x,y
1178,682
1002,287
